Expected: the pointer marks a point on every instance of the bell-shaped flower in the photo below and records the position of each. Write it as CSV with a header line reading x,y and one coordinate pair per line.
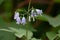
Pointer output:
x,y
39,12
16,15
18,20
36,12
23,21
33,13
29,19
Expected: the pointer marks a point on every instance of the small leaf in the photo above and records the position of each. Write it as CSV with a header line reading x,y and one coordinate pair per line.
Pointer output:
x,y
51,35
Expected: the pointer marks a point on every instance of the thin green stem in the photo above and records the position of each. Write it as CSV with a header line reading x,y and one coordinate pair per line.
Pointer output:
x,y
27,21
29,5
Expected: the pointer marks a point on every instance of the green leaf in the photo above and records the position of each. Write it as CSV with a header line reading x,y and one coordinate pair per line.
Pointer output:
x,y
21,32
30,34
43,18
54,21
51,35
6,30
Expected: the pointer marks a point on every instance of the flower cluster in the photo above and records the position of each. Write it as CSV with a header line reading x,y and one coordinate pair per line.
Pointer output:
x,y
34,13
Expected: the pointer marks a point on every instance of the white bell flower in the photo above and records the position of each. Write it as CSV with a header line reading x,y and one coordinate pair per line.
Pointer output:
x,y
23,21
33,19
16,15
29,19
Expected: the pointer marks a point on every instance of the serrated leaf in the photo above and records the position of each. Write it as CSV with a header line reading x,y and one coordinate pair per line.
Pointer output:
x,y
51,35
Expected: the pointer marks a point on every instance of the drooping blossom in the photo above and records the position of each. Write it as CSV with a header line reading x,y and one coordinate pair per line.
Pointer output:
x,y
33,13
39,12
18,20
23,21
36,12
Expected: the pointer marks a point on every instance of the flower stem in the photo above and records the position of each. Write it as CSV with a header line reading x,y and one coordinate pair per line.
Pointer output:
x,y
27,21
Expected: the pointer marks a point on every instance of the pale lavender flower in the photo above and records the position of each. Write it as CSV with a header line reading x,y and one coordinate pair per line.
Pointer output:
x,y
23,21
16,15
33,13
18,20
39,12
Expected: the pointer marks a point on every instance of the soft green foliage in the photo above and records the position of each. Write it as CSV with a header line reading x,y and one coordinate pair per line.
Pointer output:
x,y
51,35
